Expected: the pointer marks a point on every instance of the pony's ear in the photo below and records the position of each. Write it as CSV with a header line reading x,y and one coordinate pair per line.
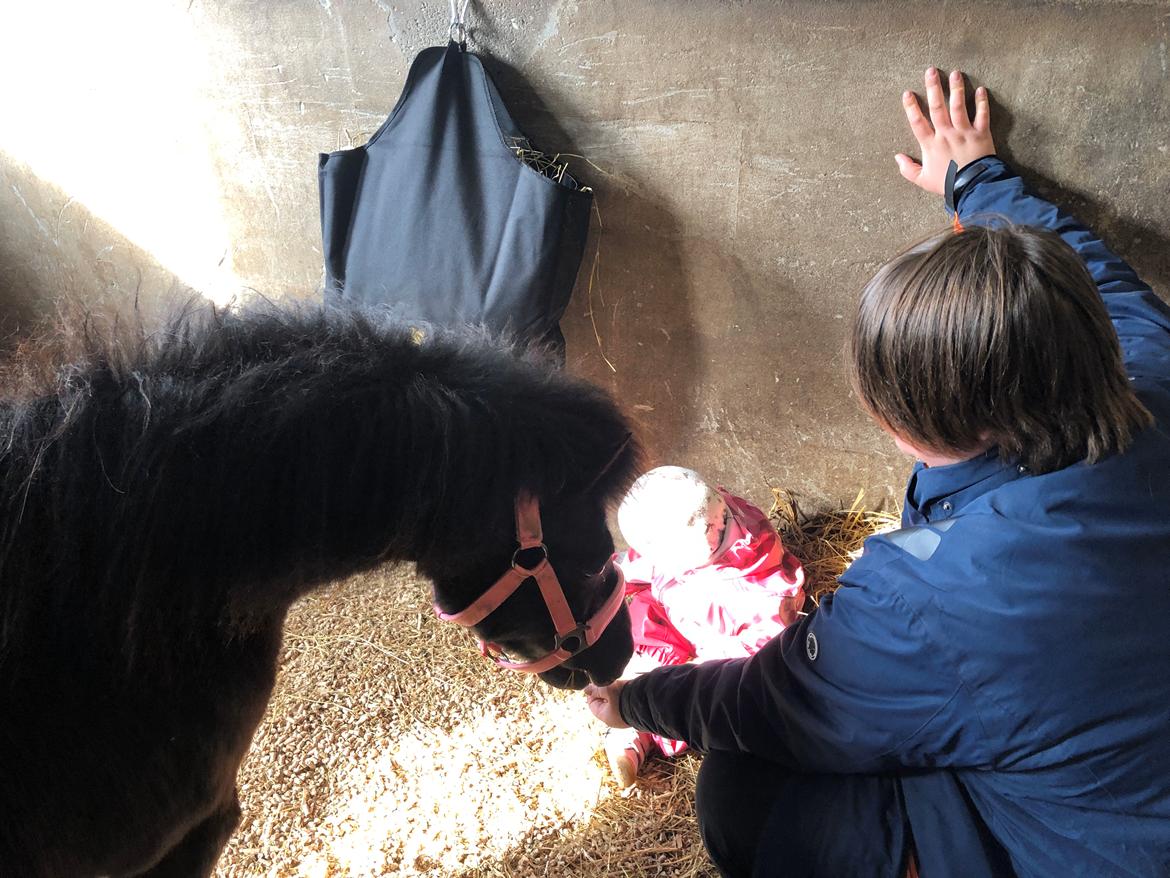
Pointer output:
x,y
611,471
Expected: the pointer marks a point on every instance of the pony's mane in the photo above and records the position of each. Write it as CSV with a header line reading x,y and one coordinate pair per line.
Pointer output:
x,y
85,359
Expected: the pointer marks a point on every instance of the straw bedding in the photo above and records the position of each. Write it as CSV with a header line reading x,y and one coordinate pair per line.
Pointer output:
x,y
390,748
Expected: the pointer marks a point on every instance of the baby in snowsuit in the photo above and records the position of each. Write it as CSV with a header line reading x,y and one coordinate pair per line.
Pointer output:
x,y
708,578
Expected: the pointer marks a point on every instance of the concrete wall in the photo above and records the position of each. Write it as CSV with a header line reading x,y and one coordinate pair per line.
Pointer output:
x,y
741,153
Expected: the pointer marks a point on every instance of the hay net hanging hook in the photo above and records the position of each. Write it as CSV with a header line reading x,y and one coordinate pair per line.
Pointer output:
x,y
457,32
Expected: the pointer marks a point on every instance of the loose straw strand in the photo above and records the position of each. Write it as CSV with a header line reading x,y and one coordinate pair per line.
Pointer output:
x,y
589,296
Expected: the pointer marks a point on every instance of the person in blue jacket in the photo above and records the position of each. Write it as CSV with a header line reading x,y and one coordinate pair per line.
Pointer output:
x,y
988,691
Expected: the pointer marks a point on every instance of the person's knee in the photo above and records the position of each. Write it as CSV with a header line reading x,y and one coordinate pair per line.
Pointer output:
x,y
712,803
714,787
732,801
760,818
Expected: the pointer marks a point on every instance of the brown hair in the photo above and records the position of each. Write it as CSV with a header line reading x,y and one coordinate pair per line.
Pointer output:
x,y
994,335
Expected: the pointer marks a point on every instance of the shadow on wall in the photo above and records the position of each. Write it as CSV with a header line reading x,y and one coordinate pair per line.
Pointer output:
x,y
53,247
1143,245
635,331
630,325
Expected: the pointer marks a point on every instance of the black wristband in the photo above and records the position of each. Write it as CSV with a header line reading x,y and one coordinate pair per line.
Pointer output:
x,y
959,179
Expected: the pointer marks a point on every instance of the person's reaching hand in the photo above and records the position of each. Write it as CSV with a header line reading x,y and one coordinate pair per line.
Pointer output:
x,y
603,704
949,135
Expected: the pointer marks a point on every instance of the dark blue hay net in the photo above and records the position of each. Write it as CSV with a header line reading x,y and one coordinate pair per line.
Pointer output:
x,y
440,221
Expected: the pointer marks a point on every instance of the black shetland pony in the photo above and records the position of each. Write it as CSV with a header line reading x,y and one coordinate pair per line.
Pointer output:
x,y
165,501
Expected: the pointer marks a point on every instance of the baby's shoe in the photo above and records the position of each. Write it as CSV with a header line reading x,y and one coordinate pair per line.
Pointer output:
x,y
626,750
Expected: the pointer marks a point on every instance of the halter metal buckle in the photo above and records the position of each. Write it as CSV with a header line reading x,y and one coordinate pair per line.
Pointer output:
x,y
579,634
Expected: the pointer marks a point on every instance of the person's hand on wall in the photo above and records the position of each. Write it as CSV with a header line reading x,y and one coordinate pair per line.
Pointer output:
x,y
603,704
949,135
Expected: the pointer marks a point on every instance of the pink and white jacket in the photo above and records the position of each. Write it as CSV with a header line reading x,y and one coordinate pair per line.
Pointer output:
x,y
748,593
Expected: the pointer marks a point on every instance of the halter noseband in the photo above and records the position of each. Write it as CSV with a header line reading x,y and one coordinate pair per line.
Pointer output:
x,y
572,636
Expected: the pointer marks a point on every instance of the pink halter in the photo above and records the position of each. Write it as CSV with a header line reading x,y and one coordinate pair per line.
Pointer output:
x,y
572,636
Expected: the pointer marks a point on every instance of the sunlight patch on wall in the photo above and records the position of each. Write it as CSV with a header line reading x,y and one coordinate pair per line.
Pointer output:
x,y
113,103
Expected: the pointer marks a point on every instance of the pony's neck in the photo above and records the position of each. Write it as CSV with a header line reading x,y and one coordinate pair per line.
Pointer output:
x,y
257,458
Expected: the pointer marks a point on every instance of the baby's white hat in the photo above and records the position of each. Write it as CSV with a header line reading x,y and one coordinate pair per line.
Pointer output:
x,y
673,517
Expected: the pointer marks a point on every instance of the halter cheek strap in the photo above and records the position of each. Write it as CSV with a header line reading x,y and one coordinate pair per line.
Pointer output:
x,y
530,536
572,636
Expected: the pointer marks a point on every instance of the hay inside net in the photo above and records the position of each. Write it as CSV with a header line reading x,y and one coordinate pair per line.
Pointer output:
x,y
389,748
554,167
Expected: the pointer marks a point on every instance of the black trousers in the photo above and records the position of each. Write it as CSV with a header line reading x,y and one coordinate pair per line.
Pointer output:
x,y
759,819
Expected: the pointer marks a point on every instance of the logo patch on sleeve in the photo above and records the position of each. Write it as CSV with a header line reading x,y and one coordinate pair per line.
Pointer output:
x,y
810,647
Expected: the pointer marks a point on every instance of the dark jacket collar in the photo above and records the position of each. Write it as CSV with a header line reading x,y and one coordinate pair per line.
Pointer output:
x,y
938,492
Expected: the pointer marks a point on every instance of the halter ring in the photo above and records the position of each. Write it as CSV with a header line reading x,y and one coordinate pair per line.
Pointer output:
x,y
529,571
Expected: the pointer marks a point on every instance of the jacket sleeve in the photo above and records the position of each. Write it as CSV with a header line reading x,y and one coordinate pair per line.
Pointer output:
x,y
997,193
858,686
